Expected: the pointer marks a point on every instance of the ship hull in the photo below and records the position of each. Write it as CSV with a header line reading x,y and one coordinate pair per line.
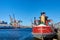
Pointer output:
x,y
43,31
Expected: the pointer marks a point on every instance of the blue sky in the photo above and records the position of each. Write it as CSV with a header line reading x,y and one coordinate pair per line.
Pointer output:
x,y
26,10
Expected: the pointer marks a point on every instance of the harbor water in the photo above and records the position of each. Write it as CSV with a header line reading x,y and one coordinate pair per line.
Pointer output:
x,y
16,34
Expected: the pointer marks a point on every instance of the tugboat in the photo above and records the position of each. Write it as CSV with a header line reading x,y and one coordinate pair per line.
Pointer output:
x,y
42,29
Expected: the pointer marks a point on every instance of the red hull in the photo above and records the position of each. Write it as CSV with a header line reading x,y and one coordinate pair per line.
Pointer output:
x,y
42,29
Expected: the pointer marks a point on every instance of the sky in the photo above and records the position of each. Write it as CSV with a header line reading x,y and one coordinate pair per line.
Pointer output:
x,y
26,10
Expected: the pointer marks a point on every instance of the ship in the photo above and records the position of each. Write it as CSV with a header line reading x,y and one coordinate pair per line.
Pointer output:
x,y
42,28
13,23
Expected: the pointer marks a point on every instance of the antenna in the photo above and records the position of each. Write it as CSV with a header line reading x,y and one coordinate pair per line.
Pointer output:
x,y
34,20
